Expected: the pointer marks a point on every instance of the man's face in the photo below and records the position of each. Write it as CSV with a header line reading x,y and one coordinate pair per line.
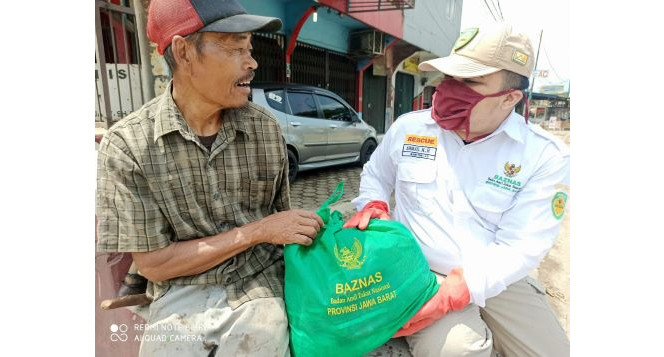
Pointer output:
x,y
487,115
223,68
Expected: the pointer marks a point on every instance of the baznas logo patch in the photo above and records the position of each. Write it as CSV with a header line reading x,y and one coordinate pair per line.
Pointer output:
x,y
558,204
465,37
511,170
350,258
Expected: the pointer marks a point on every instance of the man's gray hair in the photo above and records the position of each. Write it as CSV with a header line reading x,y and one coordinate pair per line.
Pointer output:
x,y
196,38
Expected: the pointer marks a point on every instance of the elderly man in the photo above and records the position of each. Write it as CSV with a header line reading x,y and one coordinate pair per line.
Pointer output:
x,y
483,191
194,185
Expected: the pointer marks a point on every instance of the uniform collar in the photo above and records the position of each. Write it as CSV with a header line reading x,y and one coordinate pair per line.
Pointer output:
x,y
514,126
169,118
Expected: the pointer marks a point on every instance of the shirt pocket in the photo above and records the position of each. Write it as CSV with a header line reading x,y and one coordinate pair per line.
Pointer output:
x,y
417,184
260,192
490,205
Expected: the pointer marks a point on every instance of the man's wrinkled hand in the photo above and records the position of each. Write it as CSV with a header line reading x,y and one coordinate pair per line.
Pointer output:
x,y
452,295
373,209
288,227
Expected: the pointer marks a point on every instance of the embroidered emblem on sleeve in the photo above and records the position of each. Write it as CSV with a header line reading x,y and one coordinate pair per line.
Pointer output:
x,y
558,204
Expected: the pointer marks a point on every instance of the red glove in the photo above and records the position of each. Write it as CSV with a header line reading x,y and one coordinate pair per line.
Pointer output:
x,y
373,209
452,295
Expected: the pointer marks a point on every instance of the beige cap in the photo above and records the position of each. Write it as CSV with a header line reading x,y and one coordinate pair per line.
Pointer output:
x,y
485,50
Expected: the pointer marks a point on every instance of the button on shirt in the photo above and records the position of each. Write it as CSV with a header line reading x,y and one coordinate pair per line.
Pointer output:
x,y
492,207
158,184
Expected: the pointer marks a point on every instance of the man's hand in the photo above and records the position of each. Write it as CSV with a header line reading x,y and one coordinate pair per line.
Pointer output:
x,y
373,209
195,256
452,295
293,226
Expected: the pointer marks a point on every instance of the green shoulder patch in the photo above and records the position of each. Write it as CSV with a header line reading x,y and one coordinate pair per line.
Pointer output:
x,y
466,36
558,204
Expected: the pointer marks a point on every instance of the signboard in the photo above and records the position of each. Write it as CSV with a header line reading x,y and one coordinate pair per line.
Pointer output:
x,y
410,64
379,66
125,92
552,89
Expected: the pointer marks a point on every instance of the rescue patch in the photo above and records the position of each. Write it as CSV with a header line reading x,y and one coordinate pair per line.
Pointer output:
x,y
520,57
558,204
420,146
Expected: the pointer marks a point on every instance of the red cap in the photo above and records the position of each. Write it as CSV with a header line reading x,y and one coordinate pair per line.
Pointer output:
x,y
167,18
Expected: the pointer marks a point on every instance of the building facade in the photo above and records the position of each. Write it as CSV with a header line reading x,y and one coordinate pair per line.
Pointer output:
x,y
365,51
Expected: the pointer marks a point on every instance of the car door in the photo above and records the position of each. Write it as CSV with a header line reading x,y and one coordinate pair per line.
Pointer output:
x,y
307,130
344,135
274,100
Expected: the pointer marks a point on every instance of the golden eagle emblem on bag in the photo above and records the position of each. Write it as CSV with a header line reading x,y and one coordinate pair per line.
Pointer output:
x,y
350,258
511,170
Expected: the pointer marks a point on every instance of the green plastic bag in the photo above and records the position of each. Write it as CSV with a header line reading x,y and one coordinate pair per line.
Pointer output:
x,y
351,290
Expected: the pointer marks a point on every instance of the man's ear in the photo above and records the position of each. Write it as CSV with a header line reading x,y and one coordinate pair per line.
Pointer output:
x,y
182,53
511,99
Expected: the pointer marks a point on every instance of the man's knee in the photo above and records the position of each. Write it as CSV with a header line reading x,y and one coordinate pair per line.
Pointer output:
x,y
459,333
256,328
262,330
523,323
266,313
463,340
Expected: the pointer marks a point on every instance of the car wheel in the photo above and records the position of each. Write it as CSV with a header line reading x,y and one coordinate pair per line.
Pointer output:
x,y
367,149
292,166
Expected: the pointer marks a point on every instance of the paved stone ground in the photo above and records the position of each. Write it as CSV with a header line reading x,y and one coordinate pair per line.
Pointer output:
x,y
312,188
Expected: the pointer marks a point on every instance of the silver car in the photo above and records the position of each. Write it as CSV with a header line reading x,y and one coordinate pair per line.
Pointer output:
x,y
320,128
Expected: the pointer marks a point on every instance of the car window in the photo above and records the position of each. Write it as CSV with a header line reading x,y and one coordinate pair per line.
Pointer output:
x,y
276,99
302,104
333,109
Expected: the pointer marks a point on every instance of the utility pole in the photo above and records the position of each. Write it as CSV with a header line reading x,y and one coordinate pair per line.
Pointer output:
x,y
147,80
532,83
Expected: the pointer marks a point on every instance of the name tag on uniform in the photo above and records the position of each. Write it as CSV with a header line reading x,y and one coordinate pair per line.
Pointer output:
x,y
420,146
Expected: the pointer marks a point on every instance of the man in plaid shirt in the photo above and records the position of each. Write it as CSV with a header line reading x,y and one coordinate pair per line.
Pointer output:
x,y
195,185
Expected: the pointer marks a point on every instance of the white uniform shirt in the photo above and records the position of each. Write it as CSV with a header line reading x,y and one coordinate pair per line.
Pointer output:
x,y
492,207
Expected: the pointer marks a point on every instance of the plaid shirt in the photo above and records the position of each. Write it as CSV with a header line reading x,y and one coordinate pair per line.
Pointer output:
x,y
157,184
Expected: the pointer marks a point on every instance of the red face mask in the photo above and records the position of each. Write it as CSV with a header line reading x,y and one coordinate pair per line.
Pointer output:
x,y
452,103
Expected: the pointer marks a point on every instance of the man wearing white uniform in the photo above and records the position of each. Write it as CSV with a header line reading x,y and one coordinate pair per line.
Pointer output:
x,y
483,191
